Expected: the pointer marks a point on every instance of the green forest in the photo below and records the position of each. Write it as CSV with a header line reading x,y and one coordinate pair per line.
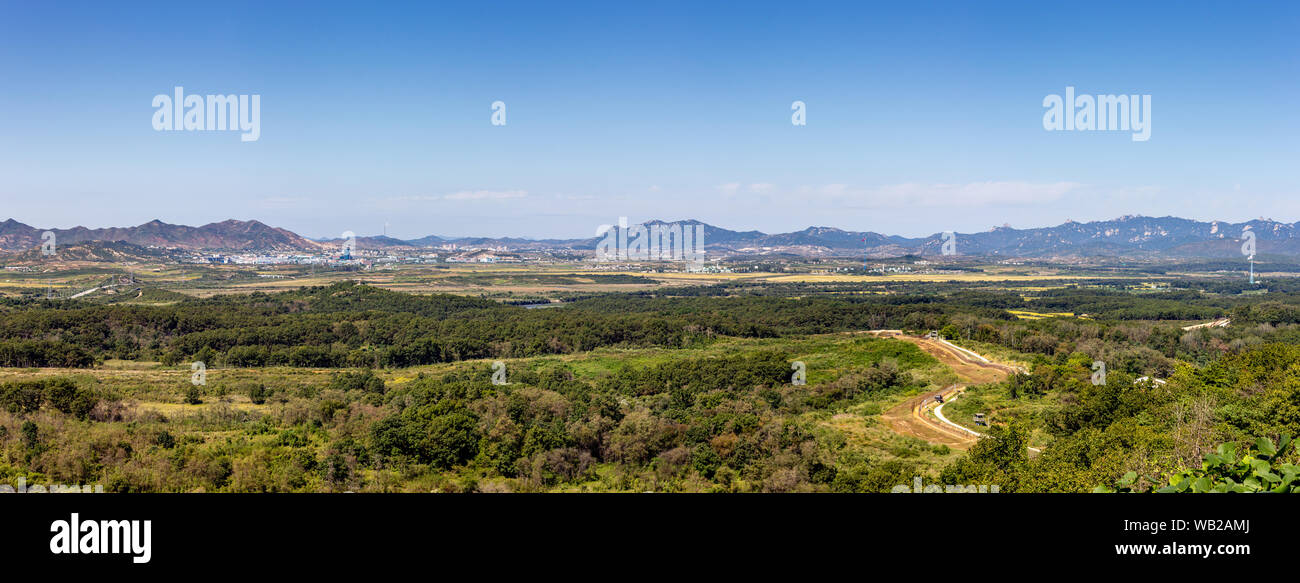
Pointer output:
x,y
350,387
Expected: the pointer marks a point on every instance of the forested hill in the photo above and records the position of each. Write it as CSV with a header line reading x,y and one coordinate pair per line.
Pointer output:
x,y
350,297
348,324
723,415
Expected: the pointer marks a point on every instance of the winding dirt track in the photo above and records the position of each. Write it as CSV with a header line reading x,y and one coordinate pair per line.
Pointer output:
x,y
909,417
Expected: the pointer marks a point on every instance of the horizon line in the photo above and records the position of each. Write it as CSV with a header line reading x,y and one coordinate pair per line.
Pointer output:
x,y
683,220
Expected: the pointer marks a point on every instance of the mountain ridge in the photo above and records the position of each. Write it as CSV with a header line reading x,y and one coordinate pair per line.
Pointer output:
x,y
229,234
1128,235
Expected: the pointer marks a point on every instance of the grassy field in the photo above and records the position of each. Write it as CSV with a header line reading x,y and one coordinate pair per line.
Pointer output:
x,y
154,394
498,281
1027,315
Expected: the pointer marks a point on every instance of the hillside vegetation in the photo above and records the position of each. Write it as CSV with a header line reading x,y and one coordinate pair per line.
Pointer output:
x,y
351,387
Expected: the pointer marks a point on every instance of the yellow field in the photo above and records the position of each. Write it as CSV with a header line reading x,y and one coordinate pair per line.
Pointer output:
x,y
1027,315
975,277
490,280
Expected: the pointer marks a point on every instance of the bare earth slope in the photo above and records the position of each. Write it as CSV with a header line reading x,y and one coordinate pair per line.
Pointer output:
x,y
910,418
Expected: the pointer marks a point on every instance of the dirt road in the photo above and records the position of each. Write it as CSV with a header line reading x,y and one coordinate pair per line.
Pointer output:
x,y
911,417
1220,323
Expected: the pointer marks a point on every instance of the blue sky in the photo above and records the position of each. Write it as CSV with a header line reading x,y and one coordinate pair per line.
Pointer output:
x,y
921,117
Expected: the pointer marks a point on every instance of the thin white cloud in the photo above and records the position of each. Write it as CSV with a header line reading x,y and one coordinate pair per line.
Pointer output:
x,y
977,193
576,197
486,194
914,194
735,188
833,189
271,202
460,195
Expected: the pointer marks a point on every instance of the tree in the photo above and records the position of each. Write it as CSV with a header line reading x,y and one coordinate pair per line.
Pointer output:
x,y
257,393
998,459
22,397
443,434
31,434
165,440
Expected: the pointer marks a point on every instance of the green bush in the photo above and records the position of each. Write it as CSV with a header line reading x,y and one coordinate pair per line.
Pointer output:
x,y
257,392
1259,469
60,393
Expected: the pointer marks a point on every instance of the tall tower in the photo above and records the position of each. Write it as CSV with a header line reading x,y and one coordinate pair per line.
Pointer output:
x,y
864,254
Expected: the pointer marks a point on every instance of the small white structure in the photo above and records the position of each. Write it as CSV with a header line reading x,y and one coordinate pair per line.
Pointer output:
x,y
1150,380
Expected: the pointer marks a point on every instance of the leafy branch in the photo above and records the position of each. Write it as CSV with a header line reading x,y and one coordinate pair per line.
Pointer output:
x,y
1259,469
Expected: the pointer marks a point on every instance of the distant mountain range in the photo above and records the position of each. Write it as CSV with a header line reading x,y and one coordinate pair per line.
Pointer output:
x,y
1128,236
226,235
